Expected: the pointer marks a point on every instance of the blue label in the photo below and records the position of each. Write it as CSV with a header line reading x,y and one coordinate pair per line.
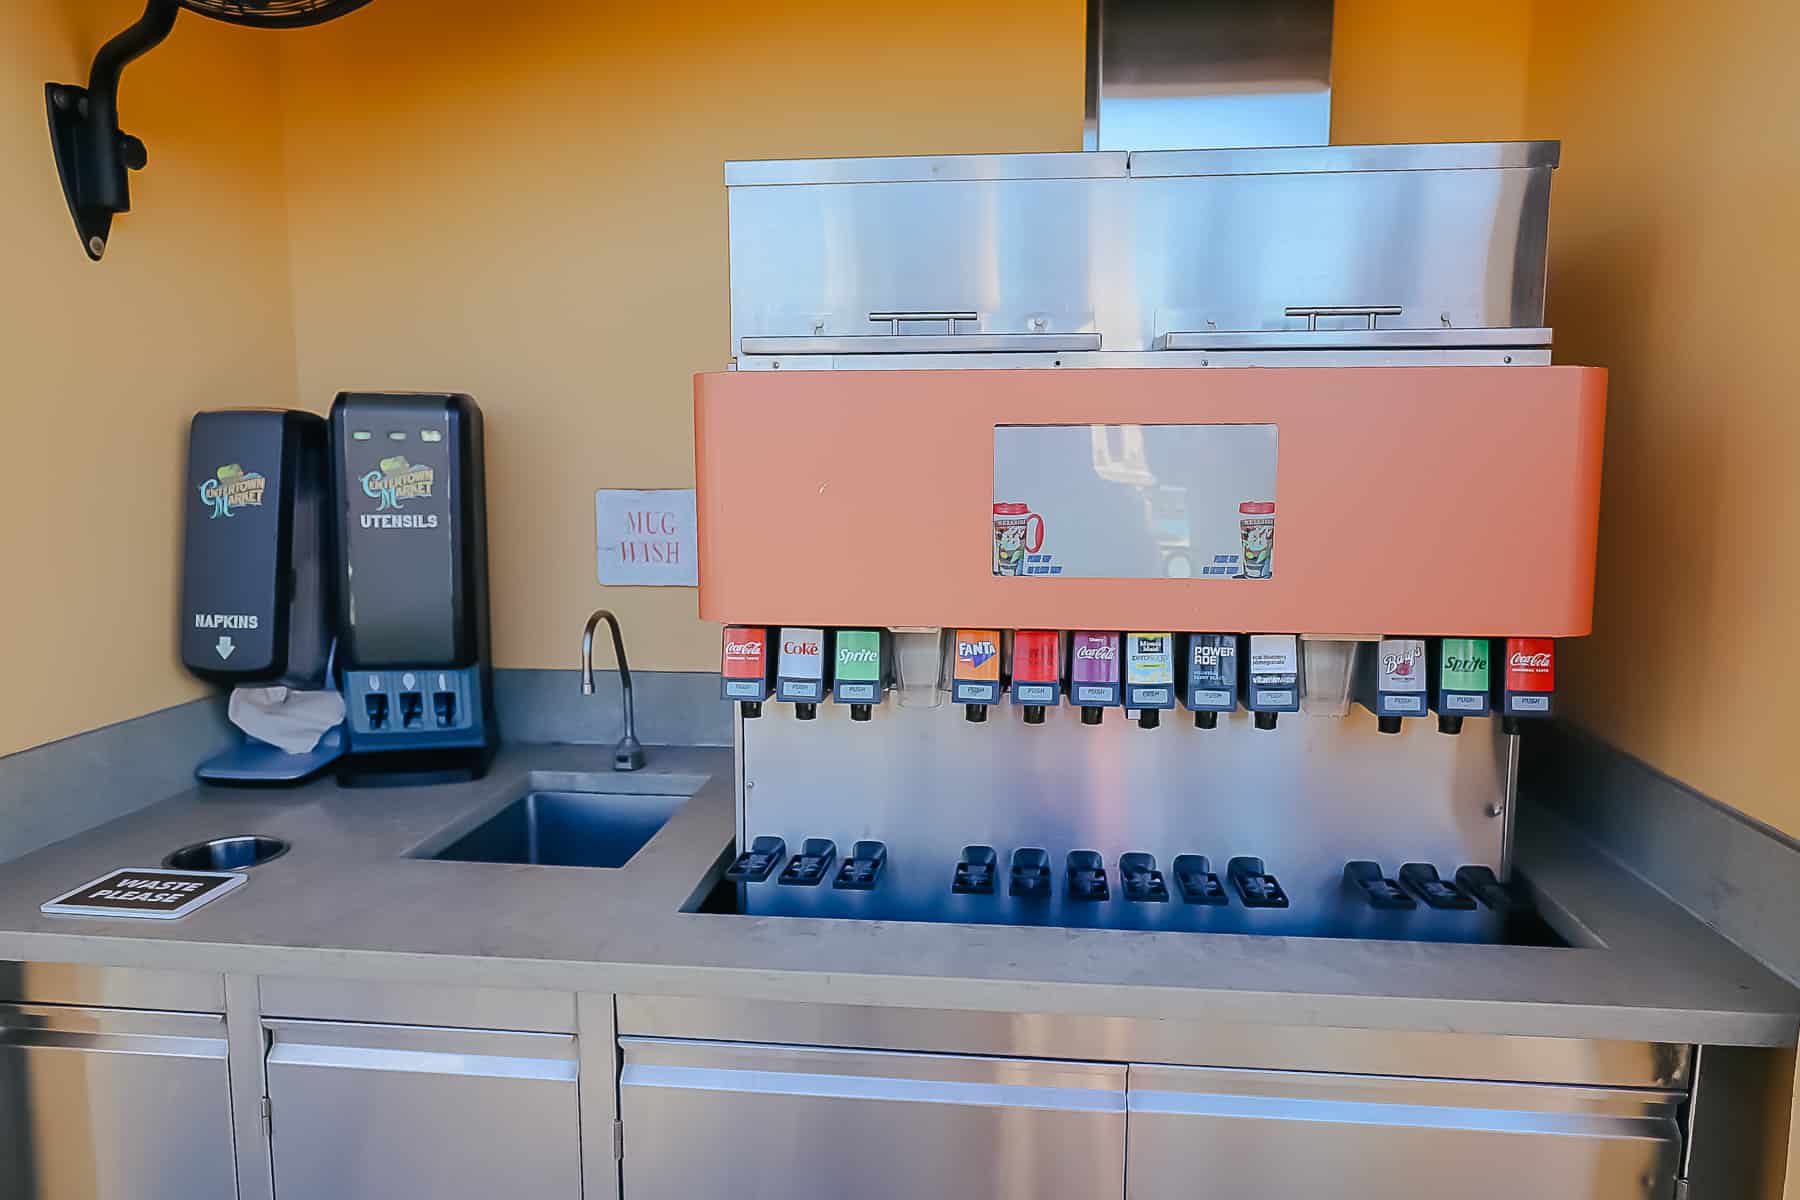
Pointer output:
x,y
977,693
799,690
1269,698
1212,698
858,693
1034,693
1149,697
1391,704
1528,704
752,688
1463,702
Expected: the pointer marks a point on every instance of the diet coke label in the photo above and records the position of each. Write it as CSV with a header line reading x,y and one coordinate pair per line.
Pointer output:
x,y
802,653
1530,665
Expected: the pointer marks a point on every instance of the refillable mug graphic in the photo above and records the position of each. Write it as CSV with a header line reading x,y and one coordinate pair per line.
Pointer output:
x,y
1256,528
1017,532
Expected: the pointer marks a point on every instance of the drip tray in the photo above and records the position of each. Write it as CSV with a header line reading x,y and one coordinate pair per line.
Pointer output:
x,y
1338,918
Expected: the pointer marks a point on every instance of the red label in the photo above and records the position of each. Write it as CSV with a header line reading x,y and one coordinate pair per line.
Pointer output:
x,y
1037,656
1530,664
746,652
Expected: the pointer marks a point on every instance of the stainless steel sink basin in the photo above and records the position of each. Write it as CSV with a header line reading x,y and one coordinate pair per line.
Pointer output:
x,y
565,829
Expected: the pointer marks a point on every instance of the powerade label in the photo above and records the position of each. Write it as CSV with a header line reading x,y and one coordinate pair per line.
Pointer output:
x,y
801,675
1212,667
856,666
743,663
1149,670
1274,666
975,678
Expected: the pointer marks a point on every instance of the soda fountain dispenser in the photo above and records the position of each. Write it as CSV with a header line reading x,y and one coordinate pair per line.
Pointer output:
x,y
1529,681
1108,466
857,676
746,669
1459,682
975,675
1272,677
1094,674
1149,676
1211,686
800,673
1036,672
1396,688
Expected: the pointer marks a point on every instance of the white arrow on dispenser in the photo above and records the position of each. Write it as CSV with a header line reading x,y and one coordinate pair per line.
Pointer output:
x,y
224,647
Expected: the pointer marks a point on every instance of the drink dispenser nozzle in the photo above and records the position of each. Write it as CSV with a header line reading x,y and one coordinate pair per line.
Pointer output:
x,y
1036,672
746,668
1396,684
1094,674
1529,681
918,665
1460,680
975,673
858,675
800,677
1271,676
1210,686
1149,676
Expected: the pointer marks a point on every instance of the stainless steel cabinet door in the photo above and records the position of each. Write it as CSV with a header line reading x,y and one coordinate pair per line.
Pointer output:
x,y
1287,1135
755,1122
108,1104
386,1112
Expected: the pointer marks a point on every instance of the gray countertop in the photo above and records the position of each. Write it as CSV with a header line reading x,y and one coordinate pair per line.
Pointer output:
x,y
347,901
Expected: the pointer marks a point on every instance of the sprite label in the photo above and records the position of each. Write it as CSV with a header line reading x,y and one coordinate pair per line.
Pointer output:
x,y
1464,665
859,655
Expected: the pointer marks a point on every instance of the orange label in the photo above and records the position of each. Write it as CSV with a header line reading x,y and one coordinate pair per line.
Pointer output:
x,y
978,654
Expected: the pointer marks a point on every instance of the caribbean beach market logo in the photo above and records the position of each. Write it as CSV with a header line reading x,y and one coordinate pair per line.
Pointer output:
x,y
230,489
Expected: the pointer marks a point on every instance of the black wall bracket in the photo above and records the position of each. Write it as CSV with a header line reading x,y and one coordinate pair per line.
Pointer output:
x,y
93,156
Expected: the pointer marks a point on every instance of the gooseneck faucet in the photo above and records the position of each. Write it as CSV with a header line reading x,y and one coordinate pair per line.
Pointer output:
x,y
628,755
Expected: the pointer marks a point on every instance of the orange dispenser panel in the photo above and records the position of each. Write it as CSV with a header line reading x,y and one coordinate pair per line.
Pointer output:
x,y
1424,500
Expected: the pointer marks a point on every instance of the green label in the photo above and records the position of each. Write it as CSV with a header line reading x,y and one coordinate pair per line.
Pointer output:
x,y
1465,665
859,654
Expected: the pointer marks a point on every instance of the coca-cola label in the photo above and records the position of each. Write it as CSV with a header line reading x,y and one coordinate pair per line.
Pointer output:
x,y
1530,665
1095,660
745,653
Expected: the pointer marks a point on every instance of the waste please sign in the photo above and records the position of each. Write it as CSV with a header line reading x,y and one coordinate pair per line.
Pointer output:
x,y
140,892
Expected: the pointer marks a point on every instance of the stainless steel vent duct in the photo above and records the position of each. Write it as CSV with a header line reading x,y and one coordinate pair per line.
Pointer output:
x,y
1206,74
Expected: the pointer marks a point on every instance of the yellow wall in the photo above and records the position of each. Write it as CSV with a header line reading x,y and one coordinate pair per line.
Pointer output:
x,y
1673,248
526,201
1427,71
104,364
528,204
